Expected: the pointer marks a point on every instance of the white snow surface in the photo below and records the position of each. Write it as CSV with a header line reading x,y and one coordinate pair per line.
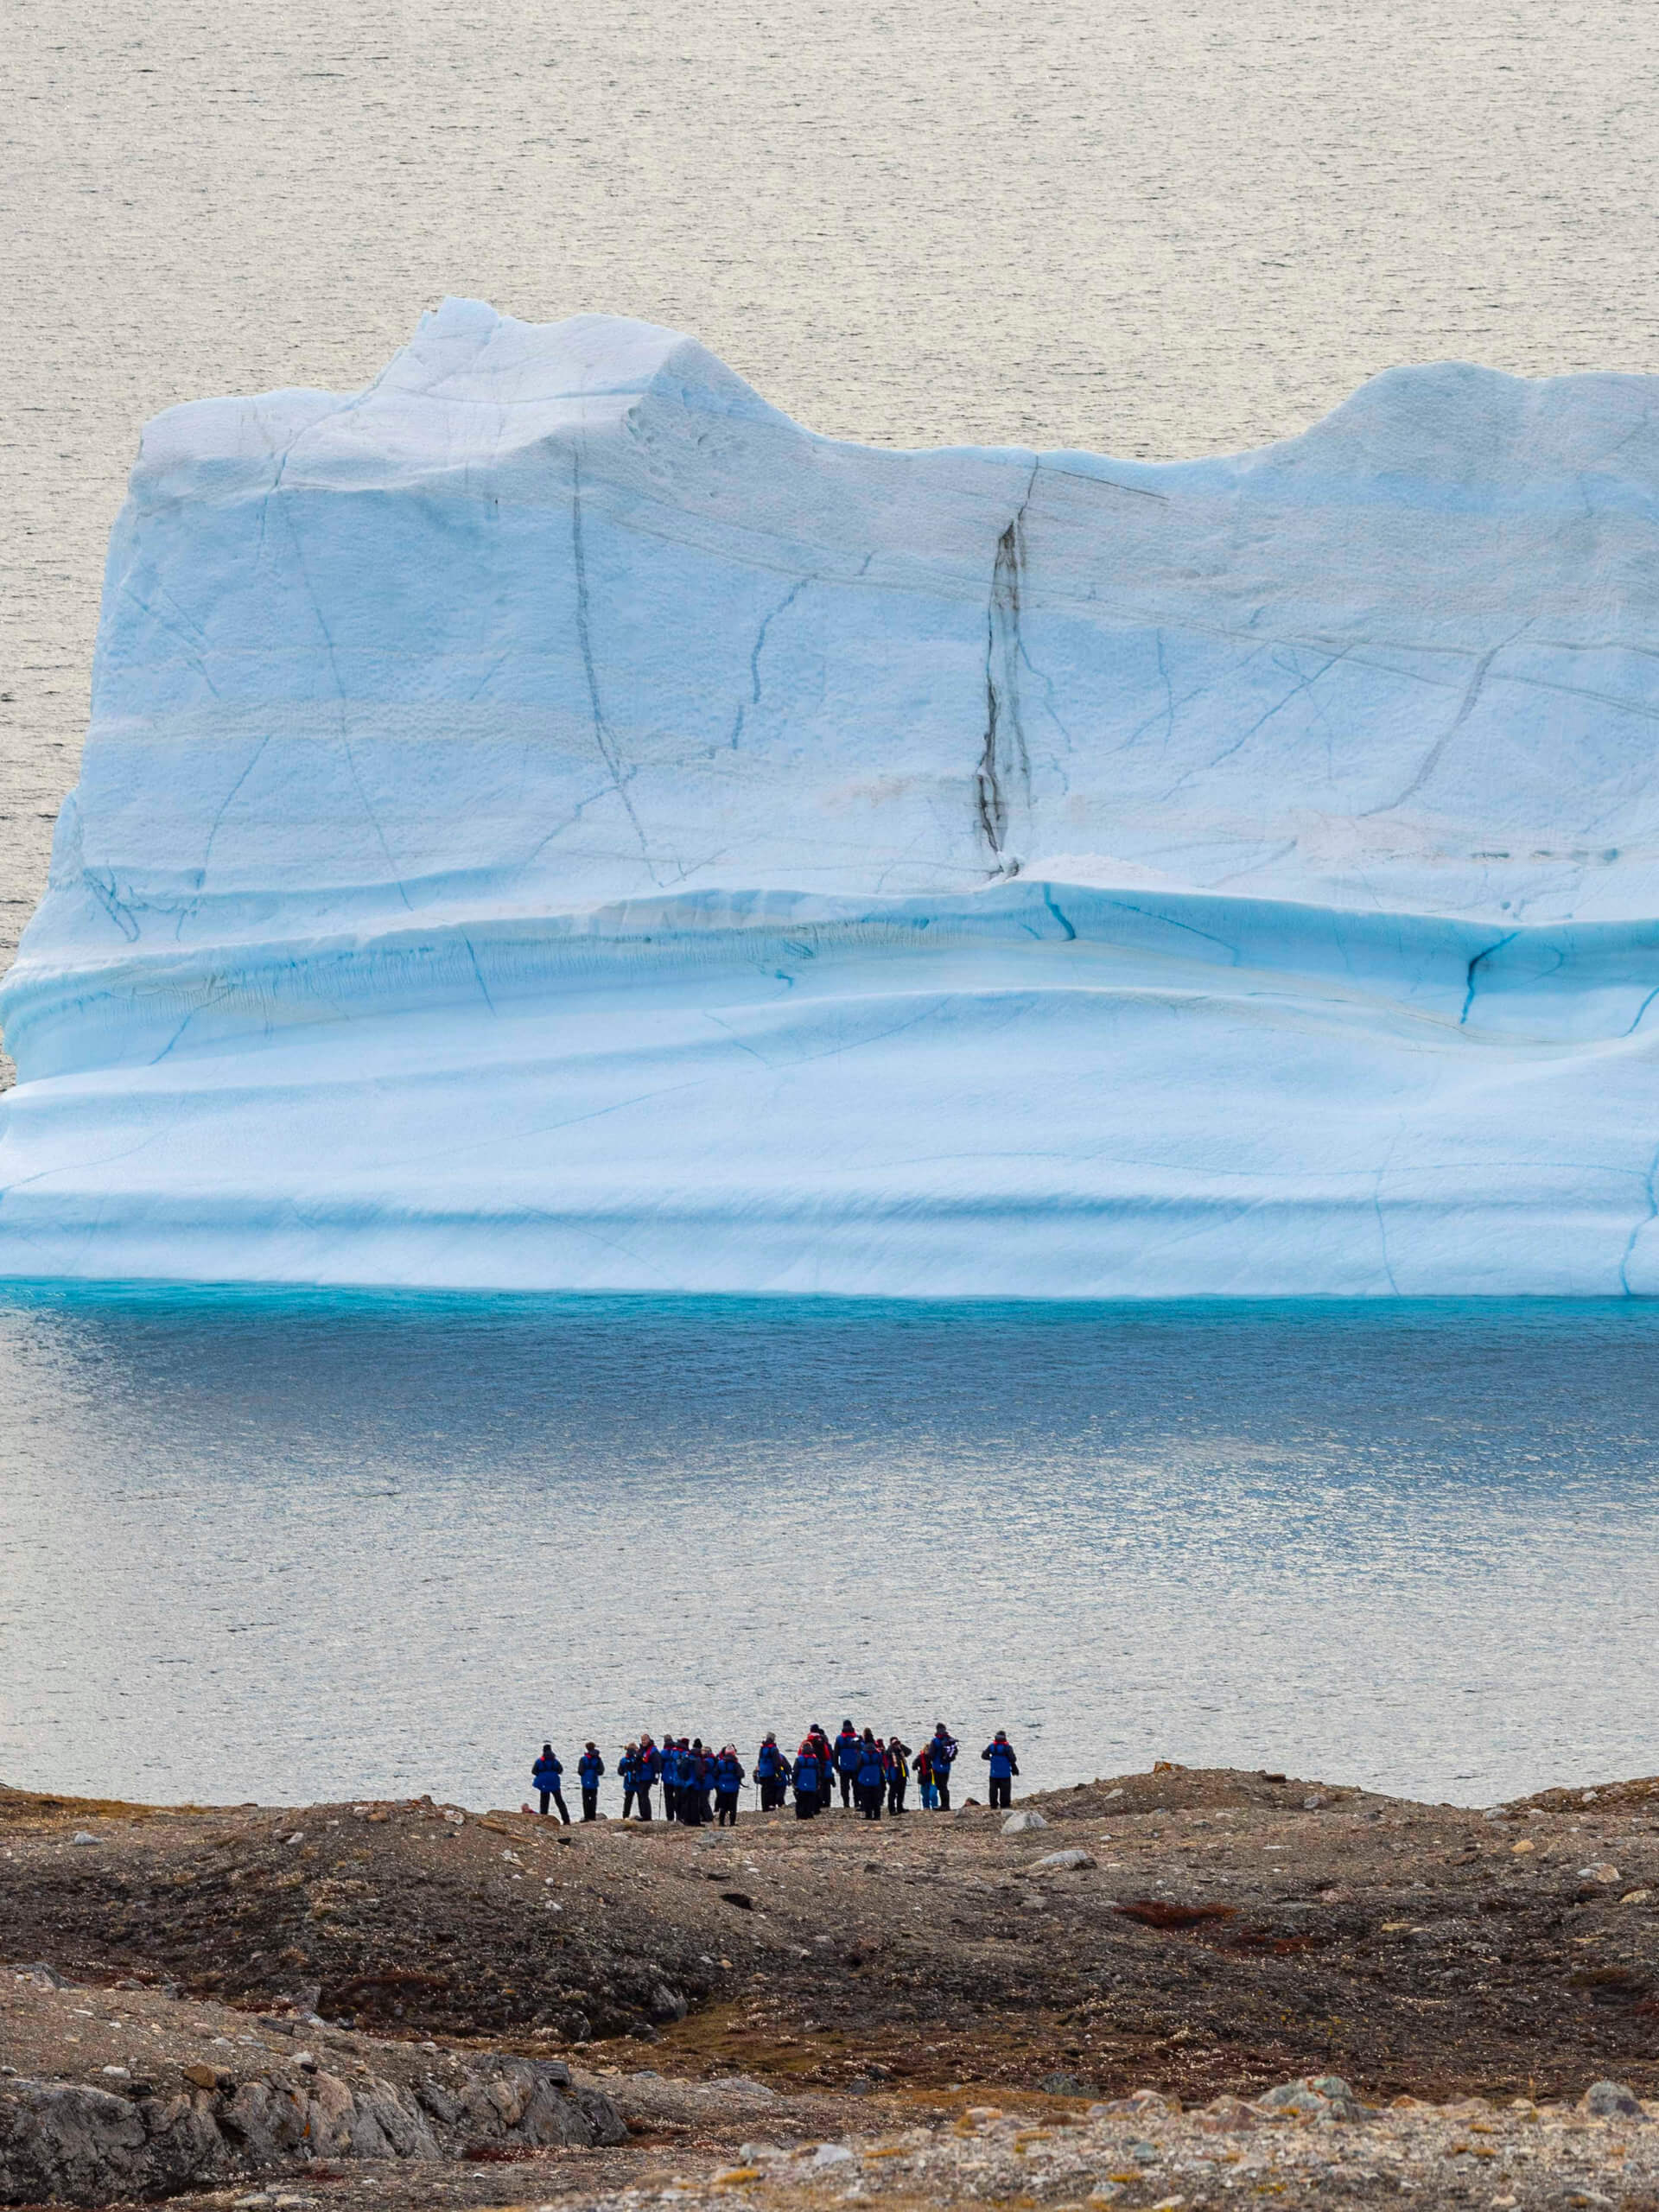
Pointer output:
x,y
550,821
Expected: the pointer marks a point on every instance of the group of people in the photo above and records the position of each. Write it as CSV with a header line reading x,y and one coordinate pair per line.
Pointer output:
x,y
700,1785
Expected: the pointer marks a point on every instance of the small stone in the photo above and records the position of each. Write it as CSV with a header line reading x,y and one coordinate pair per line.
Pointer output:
x,y
119,2073
1104,2191
1601,1872
83,1835
1314,1804
832,2154
1064,2085
201,2077
1610,2101
306,2061
1636,1897
298,1836
1525,1844
1065,1859
1022,1823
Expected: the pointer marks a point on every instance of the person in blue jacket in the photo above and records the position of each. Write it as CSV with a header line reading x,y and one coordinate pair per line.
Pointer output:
x,y
1004,1766
806,1777
670,1778
849,1754
941,1751
544,1777
771,1771
694,1809
589,1767
870,1776
627,1773
645,1774
818,1737
730,1776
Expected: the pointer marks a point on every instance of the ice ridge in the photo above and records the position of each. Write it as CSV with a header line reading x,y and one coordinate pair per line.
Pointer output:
x,y
549,821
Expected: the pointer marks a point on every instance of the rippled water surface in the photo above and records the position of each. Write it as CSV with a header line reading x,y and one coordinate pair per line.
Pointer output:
x,y
294,1547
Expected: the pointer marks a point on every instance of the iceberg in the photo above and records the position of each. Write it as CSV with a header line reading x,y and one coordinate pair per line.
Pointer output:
x,y
549,821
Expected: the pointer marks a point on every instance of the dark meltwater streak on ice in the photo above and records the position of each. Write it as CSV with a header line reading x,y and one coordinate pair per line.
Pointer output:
x,y
292,1547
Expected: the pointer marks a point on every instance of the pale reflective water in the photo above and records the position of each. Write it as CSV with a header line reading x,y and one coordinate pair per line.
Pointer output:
x,y
294,1547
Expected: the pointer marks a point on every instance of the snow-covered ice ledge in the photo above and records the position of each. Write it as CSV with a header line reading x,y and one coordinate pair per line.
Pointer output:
x,y
549,821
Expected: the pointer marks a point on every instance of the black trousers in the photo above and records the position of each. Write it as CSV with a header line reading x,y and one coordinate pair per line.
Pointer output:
x,y
559,1801
870,1794
628,1800
1001,1789
727,1802
590,1803
806,1806
941,1784
642,1796
847,1787
670,1800
896,1794
772,1794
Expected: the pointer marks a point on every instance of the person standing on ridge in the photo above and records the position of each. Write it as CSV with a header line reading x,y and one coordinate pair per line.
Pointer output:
x,y
628,1772
825,1756
870,1776
729,1781
929,1796
942,1749
898,1773
670,1777
808,1781
849,1754
544,1777
1004,1766
645,1774
589,1767
771,1771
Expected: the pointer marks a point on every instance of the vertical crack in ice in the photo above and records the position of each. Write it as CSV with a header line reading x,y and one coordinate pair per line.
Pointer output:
x,y
603,737
332,659
1470,981
1004,762
1466,706
753,699
1631,1242
107,897
1048,901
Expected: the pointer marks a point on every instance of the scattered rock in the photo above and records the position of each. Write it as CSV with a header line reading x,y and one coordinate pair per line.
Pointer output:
x,y
1023,1822
1317,2095
1064,2085
1601,1872
1610,2101
83,1835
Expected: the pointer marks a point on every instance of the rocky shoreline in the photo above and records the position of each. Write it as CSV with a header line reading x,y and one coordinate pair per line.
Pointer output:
x,y
1164,1985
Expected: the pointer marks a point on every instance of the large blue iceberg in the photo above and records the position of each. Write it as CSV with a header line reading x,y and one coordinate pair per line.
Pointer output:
x,y
549,821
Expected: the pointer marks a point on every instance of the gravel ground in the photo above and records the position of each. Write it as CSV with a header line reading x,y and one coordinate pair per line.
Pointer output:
x,y
962,2012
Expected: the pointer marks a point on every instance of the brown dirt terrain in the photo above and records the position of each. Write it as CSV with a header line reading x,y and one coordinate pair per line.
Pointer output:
x,y
1232,1930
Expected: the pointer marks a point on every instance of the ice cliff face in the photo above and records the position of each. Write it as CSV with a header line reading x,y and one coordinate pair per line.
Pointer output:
x,y
547,820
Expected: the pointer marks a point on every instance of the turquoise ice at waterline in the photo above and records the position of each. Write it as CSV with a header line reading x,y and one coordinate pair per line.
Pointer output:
x,y
550,823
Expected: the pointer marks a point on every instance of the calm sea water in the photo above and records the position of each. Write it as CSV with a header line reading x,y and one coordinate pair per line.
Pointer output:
x,y
293,1547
